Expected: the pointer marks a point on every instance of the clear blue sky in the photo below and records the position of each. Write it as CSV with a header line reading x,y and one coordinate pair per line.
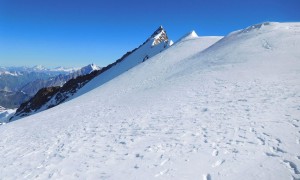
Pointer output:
x,y
77,32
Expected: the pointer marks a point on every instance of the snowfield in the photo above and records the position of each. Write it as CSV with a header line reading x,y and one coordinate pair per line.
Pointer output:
x,y
204,108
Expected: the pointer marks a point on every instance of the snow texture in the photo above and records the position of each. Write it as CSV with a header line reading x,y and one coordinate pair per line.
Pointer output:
x,y
194,111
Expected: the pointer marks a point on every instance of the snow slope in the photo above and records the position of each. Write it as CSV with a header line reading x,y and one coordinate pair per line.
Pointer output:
x,y
230,111
155,44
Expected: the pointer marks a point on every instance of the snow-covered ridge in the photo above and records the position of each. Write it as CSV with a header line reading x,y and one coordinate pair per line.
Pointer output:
x,y
257,27
190,35
261,27
65,69
156,43
89,68
10,73
39,68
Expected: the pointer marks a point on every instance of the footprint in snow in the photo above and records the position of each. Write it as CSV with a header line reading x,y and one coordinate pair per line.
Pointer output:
x,y
215,153
164,162
277,150
271,155
292,166
261,140
206,177
218,163
162,172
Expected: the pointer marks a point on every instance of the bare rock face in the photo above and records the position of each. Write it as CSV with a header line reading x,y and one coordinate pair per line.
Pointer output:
x,y
49,97
159,36
71,87
36,102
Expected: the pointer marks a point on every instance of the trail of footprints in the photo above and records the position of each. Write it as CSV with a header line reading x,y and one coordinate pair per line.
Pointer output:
x,y
221,139
273,144
276,151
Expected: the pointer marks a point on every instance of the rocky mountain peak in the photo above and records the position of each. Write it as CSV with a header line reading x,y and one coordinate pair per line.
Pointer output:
x,y
159,35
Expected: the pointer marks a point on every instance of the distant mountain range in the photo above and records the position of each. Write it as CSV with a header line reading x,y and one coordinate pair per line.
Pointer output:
x,y
13,78
38,68
33,87
18,84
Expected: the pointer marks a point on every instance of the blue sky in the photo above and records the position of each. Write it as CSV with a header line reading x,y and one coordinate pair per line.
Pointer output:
x,y
74,33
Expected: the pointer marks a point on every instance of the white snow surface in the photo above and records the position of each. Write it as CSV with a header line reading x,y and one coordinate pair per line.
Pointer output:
x,y
10,73
88,69
230,111
65,69
190,35
5,114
